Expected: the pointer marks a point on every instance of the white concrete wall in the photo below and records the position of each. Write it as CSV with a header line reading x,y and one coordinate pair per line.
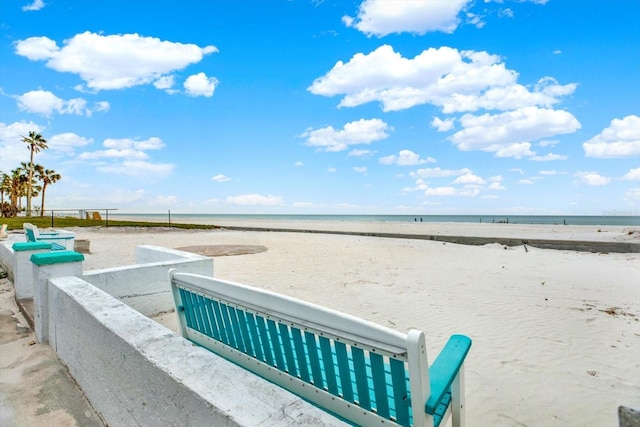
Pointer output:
x,y
23,278
135,372
41,276
6,257
145,286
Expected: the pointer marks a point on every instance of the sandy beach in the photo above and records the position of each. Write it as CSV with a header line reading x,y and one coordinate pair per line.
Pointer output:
x,y
556,333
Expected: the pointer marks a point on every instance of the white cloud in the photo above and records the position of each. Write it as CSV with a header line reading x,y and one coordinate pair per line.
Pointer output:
x,y
67,142
517,170
380,18
46,103
632,194
405,158
255,200
360,169
508,134
620,139
438,173
443,125
164,200
36,5
361,153
632,175
12,149
527,181
548,142
517,150
354,133
548,172
592,178
138,168
549,157
200,85
452,191
475,20
298,164
125,148
469,178
113,61
455,81
497,186
165,83
221,178
332,170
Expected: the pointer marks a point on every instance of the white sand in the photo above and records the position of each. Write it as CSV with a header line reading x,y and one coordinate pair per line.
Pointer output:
x,y
556,334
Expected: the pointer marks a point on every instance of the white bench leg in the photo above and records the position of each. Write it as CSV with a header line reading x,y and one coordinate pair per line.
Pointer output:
x,y
457,400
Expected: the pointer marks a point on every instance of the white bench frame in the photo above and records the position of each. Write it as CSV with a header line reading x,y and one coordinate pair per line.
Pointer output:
x,y
342,328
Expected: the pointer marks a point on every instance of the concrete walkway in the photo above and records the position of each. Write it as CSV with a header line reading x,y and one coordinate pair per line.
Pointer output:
x,y
35,388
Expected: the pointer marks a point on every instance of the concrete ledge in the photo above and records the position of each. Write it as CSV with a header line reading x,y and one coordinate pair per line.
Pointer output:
x,y
59,257
30,246
144,286
135,372
569,245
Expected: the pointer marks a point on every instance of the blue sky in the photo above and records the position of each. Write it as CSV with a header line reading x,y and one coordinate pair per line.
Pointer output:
x,y
334,106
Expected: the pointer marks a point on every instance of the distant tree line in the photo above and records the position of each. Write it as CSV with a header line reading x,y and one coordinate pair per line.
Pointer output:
x,y
27,181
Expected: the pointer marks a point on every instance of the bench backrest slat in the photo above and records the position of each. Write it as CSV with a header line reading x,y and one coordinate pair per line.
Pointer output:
x,y
371,381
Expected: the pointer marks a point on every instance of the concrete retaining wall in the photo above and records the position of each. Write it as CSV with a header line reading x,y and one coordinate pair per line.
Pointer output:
x,y
135,372
145,285
6,257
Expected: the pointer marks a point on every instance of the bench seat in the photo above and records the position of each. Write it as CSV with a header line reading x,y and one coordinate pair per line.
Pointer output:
x,y
359,371
59,241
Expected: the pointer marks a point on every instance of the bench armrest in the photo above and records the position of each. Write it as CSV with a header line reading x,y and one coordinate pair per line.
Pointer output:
x,y
47,238
445,368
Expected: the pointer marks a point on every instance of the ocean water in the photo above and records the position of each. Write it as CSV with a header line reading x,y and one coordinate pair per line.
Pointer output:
x,y
512,219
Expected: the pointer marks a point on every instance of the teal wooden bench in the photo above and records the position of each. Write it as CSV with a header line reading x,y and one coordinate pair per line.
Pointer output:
x,y
33,235
361,372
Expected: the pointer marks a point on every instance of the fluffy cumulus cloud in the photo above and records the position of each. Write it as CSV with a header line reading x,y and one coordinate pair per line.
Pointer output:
x,y
443,125
35,5
67,142
124,148
456,81
255,200
360,169
621,139
438,173
382,17
221,178
353,133
465,183
632,175
200,85
46,103
138,168
12,150
508,134
592,178
126,156
469,179
405,158
113,61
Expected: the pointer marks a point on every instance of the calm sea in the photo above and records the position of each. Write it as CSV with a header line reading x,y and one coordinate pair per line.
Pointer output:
x,y
514,219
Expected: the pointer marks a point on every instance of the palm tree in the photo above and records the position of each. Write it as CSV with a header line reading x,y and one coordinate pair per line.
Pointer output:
x,y
47,176
35,143
17,184
4,185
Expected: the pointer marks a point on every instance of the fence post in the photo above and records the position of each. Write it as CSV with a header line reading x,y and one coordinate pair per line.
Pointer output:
x,y
51,218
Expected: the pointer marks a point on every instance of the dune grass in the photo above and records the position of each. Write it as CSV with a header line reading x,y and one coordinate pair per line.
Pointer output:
x,y
61,222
